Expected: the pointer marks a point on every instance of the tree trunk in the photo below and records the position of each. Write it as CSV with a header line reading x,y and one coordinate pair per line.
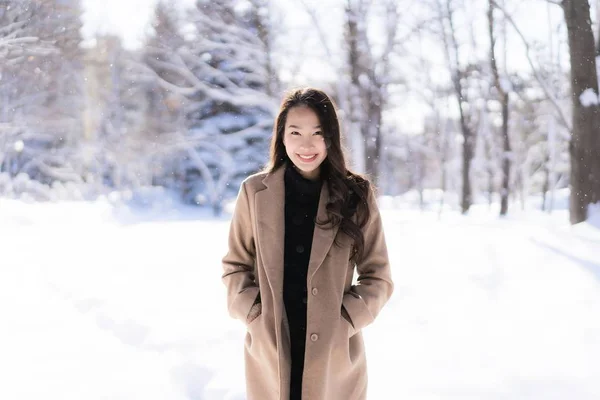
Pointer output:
x,y
585,137
443,187
506,157
598,32
354,96
490,177
452,56
467,155
443,129
504,100
373,129
546,185
552,151
368,97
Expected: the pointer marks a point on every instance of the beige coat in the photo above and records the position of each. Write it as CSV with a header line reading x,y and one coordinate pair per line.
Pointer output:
x,y
335,363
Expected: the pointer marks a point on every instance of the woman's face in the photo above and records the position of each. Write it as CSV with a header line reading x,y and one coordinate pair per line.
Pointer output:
x,y
304,142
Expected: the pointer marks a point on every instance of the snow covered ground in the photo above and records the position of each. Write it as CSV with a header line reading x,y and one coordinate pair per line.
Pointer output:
x,y
104,303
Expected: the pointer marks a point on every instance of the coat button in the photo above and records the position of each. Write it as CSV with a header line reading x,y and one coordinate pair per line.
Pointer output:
x,y
300,249
314,337
315,291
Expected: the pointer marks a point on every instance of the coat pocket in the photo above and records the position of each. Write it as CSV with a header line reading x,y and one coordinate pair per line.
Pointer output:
x,y
346,321
255,304
254,320
348,325
251,330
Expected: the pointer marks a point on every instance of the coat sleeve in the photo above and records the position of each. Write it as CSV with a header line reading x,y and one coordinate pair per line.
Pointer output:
x,y
238,264
374,284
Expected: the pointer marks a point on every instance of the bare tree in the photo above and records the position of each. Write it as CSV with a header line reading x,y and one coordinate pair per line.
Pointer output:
x,y
584,147
370,76
354,35
365,75
501,85
458,72
439,128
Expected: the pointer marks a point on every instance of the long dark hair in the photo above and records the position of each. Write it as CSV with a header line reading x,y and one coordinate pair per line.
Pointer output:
x,y
348,191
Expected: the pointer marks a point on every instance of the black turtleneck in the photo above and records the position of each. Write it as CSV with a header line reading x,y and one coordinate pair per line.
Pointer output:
x,y
301,203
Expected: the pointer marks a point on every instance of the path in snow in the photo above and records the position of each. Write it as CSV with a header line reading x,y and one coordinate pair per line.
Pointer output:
x,y
483,309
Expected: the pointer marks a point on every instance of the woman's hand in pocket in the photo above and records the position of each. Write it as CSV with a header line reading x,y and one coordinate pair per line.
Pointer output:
x,y
346,316
255,311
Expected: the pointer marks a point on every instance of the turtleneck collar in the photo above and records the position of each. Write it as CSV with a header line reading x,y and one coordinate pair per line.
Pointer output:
x,y
297,184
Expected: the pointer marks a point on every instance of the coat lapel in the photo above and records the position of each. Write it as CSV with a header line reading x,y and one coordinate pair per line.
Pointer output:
x,y
323,236
270,215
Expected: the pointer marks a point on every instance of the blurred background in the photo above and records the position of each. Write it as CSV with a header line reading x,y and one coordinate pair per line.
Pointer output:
x,y
126,128
123,96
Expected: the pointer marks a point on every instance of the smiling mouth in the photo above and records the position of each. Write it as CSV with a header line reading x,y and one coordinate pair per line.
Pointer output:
x,y
307,158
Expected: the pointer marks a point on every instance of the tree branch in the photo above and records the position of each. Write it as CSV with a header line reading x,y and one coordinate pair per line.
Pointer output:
x,y
536,74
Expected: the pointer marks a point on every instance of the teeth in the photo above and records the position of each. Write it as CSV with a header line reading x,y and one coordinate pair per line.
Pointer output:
x,y
307,157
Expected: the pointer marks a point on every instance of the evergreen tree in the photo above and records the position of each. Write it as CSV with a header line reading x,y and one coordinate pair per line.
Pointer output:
x,y
214,85
41,88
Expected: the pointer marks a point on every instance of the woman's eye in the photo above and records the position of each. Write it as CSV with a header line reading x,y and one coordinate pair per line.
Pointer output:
x,y
294,133
318,133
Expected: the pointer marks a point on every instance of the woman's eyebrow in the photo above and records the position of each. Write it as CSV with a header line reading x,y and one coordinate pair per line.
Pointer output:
x,y
297,127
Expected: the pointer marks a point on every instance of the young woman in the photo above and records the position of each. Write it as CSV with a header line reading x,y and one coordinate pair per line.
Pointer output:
x,y
298,232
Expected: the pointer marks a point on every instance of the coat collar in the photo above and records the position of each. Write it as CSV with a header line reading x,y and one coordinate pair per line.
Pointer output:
x,y
270,215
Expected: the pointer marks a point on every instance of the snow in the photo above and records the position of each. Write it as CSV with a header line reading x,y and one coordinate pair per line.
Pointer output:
x,y
594,215
99,301
588,98
506,85
19,146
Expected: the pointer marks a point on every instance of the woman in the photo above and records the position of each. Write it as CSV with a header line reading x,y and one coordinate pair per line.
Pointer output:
x,y
298,232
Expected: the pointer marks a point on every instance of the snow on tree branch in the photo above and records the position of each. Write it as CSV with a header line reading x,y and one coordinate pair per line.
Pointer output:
x,y
588,98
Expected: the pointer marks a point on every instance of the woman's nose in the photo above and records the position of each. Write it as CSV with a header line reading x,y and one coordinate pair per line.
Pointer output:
x,y
307,142
307,145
